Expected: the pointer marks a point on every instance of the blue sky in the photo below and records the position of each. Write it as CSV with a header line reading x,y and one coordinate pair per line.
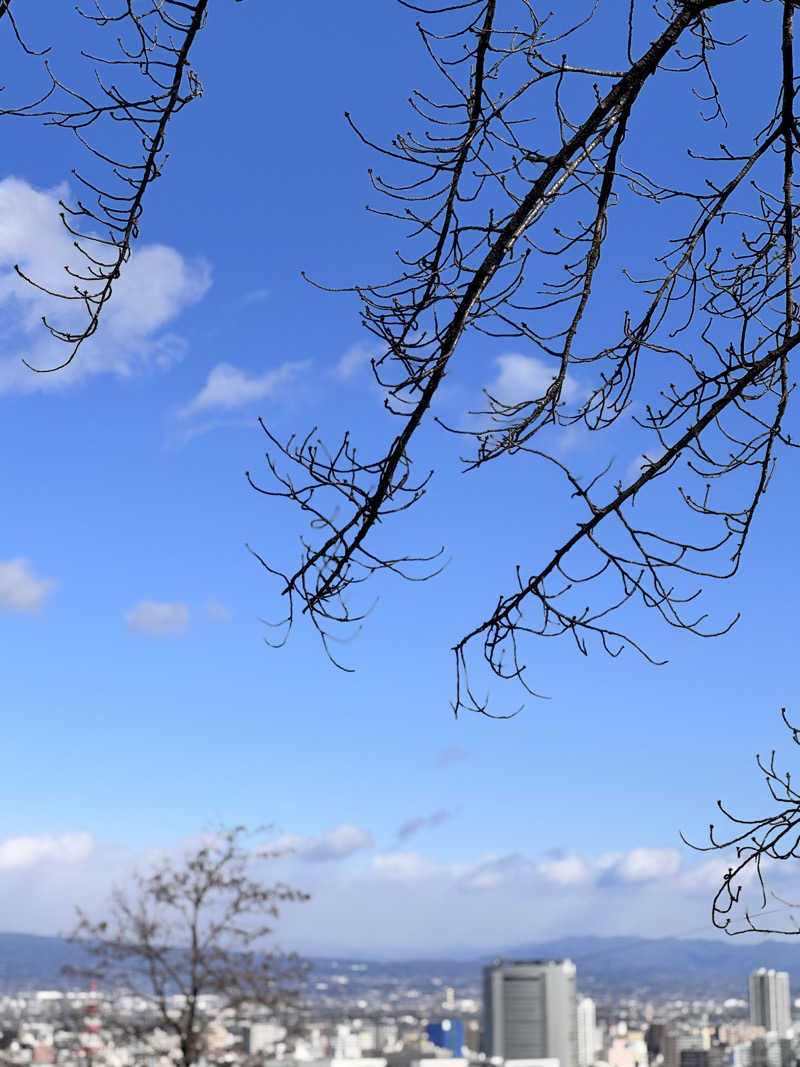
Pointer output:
x,y
140,701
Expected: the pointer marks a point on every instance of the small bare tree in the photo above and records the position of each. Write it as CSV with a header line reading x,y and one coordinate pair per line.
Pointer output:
x,y
193,928
740,903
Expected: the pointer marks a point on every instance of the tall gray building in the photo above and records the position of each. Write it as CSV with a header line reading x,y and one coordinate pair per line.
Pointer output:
x,y
770,1002
587,1028
529,1010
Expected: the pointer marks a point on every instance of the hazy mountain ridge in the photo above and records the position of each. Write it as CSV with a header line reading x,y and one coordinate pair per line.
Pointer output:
x,y
695,965
604,963
33,962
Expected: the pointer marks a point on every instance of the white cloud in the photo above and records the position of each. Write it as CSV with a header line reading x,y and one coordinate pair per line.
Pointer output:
x,y
645,864
556,868
524,378
404,866
708,875
338,843
20,853
228,388
157,619
44,875
156,284
564,870
411,903
20,589
400,902
355,359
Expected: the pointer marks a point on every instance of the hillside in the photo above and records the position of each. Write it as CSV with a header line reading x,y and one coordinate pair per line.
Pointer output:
x,y
605,964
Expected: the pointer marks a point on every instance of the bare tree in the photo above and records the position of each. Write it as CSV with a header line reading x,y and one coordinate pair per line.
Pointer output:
x,y
191,928
508,193
740,904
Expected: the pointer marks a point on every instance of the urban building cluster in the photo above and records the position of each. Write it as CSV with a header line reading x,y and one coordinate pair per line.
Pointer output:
x,y
532,1017
524,1013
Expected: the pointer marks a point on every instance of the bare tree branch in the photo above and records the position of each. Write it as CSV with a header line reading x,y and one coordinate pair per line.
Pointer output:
x,y
716,323
154,42
758,844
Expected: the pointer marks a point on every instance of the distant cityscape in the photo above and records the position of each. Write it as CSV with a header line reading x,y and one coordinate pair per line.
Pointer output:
x,y
511,1013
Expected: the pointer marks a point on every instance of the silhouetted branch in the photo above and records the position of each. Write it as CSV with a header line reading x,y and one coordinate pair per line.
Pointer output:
x,y
154,42
716,322
756,843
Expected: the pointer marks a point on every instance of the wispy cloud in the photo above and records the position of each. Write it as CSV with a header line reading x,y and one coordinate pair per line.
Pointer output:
x,y
217,611
256,296
354,360
158,619
405,866
639,465
228,387
21,589
155,286
451,754
522,378
422,822
183,431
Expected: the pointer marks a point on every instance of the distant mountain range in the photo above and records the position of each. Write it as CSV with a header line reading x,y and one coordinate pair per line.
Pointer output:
x,y
694,966
605,964
31,962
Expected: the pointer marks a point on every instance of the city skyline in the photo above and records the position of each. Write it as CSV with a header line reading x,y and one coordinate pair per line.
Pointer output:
x,y
359,1014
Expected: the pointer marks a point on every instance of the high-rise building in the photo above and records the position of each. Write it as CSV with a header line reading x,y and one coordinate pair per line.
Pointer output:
x,y
770,1003
587,1026
770,1050
703,1057
654,1039
449,1034
674,1044
741,1054
529,1010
